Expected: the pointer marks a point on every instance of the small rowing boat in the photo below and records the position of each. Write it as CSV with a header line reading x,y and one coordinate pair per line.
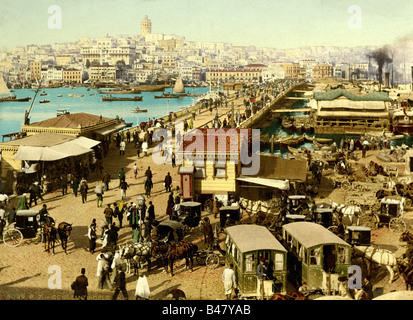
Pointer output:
x,y
137,109
294,141
319,140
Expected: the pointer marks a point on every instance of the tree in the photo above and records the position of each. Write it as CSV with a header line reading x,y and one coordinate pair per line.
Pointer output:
x,y
87,63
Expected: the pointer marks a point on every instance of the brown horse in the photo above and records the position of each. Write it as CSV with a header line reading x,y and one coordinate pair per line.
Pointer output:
x,y
406,271
406,236
159,250
181,250
50,236
64,229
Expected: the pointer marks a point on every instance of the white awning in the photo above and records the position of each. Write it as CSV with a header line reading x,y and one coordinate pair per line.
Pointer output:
x,y
271,183
71,148
111,129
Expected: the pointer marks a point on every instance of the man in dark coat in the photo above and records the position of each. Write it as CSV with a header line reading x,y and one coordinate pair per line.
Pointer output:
x,y
80,286
151,212
120,283
168,182
75,185
83,191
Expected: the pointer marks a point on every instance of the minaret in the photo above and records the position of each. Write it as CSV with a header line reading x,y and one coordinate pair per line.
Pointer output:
x,y
145,26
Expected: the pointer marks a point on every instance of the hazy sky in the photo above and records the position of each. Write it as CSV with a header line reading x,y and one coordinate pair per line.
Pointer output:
x,y
264,23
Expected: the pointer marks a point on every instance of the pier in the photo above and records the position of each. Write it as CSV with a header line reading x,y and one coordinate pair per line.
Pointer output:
x,y
273,107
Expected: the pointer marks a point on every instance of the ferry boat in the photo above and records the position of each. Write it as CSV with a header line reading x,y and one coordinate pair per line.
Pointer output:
x,y
403,122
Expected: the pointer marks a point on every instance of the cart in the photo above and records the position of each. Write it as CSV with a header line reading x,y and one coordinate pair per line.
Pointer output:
x,y
211,258
190,213
26,226
389,213
229,215
324,215
171,230
297,204
358,236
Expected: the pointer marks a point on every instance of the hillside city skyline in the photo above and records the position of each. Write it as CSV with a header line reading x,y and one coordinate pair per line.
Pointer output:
x,y
147,49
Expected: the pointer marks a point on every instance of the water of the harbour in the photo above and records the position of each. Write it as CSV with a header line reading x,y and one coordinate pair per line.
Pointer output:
x,y
275,129
12,113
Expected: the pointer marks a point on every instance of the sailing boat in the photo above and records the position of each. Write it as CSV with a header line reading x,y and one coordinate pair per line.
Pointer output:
x,y
179,86
5,91
177,92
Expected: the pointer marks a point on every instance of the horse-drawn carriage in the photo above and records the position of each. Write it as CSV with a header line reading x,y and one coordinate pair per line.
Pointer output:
x,y
316,256
297,204
190,213
171,230
389,213
246,246
358,235
324,215
229,215
26,226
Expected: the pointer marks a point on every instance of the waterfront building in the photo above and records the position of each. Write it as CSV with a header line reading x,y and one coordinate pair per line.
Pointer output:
x,y
42,157
322,71
35,70
72,75
54,74
342,112
78,124
291,70
102,73
359,71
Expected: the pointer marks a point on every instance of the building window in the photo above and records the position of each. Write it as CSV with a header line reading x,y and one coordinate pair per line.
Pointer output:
x,y
220,170
250,263
279,262
199,170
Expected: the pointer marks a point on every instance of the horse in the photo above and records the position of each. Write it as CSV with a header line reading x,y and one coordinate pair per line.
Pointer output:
x,y
159,249
134,254
50,236
406,271
382,257
64,229
180,250
349,213
407,236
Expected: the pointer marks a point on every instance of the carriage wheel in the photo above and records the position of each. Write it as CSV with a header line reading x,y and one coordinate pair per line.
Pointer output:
x,y
12,238
345,185
368,220
212,261
397,225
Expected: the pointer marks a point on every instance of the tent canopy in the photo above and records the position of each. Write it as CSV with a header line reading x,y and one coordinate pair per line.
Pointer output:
x,y
71,148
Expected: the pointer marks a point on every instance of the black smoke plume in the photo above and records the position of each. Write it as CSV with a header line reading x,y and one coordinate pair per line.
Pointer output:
x,y
381,56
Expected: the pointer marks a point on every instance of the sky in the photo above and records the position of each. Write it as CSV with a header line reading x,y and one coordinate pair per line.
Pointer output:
x,y
263,23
